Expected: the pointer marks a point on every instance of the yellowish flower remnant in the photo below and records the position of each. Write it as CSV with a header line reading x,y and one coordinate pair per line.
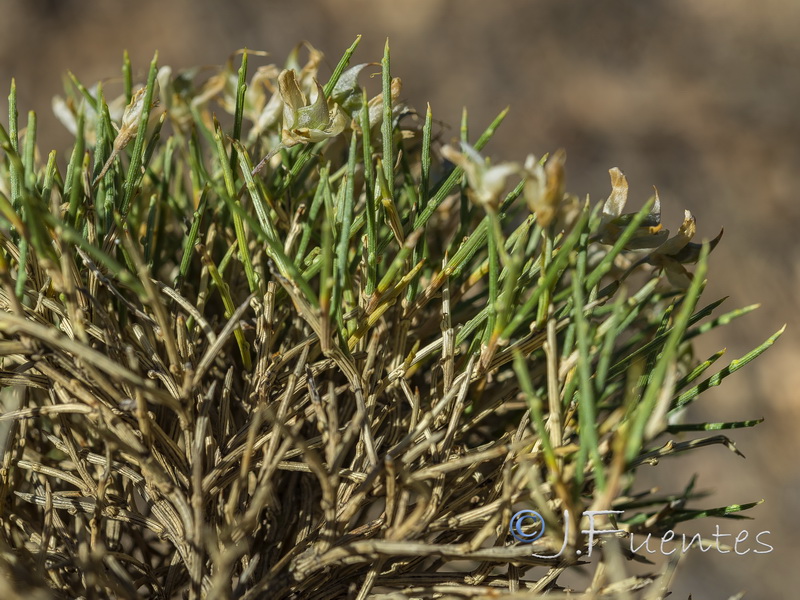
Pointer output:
x,y
486,182
128,129
544,186
650,233
668,254
678,251
305,121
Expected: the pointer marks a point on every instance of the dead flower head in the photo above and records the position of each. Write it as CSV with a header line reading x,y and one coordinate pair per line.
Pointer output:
x,y
544,186
666,253
305,121
486,181
678,251
650,234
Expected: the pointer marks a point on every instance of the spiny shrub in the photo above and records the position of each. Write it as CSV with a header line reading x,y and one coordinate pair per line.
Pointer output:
x,y
309,350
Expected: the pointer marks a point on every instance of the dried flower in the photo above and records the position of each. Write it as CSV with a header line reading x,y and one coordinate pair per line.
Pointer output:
x,y
668,253
265,113
544,186
678,251
650,233
67,111
128,129
305,121
486,182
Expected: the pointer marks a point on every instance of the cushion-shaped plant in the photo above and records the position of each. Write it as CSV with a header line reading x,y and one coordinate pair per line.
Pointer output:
x,y
339,372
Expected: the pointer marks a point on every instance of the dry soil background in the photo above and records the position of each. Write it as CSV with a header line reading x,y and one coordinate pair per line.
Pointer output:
x,y
697,97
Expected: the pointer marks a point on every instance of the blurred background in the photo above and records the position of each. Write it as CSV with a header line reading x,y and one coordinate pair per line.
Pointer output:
x,y
697,97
